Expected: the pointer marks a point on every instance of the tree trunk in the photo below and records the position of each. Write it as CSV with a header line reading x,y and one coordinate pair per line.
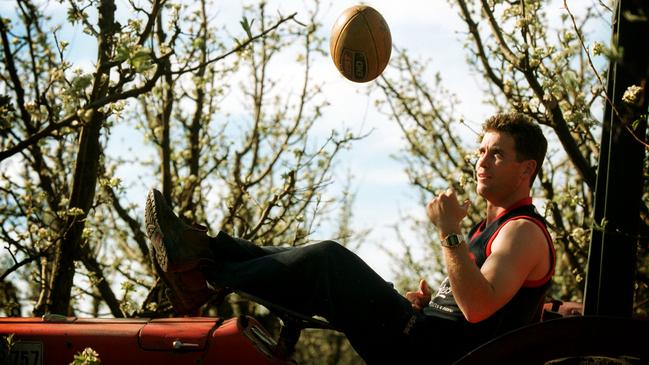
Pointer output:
x,y
85,173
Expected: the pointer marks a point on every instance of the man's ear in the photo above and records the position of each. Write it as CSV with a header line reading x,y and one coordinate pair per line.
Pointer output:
x,y
530,167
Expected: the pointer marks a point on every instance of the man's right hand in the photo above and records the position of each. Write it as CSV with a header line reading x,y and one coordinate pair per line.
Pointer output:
x,y
420,298
446,213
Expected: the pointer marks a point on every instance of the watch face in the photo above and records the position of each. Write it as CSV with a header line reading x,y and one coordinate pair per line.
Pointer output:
x,y
451,240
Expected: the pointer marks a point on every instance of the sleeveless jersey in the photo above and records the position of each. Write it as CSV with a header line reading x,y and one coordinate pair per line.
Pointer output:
x,y
526,305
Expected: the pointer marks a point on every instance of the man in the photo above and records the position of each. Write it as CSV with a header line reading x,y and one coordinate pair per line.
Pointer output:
x,y
496,282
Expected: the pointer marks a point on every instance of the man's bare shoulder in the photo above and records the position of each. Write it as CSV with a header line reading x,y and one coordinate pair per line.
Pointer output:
x,y
520,234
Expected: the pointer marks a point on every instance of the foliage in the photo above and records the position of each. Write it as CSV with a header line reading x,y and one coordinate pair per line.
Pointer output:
x,y
162,84
163,74
86,357
325,347
544,71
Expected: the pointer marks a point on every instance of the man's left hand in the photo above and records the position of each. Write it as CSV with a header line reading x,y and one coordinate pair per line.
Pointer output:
x,y
420,298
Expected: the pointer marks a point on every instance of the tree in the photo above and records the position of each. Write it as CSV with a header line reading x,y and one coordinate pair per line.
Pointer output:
x,y
547,74
73,243
37,78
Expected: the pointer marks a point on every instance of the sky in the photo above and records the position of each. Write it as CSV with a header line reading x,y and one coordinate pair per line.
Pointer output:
x,y
428,29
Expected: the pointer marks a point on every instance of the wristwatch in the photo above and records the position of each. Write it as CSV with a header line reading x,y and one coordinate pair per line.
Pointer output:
x,y
452,240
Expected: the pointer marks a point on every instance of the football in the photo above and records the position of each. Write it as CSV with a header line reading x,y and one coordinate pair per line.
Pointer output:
x,y
360,43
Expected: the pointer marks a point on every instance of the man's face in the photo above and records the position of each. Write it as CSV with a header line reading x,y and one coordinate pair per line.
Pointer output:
x,y
498,173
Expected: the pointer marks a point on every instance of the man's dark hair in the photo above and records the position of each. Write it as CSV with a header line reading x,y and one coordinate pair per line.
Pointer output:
x,y
529,141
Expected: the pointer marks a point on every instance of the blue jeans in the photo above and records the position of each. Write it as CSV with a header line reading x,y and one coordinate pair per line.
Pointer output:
x,y
328,280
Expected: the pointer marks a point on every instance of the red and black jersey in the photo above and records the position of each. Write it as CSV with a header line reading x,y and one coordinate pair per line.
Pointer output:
x,y
526,305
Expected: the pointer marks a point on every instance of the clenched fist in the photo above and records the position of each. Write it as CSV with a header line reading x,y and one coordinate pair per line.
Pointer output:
x,y
445,212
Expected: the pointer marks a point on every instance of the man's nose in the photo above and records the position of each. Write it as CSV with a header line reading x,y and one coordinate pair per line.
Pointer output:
x,y
482,160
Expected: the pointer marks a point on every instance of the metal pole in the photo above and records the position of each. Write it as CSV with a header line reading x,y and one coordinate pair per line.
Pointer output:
x,y
611,267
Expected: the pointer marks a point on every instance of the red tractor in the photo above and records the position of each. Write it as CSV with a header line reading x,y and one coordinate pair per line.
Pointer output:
x,y
191,340
56,339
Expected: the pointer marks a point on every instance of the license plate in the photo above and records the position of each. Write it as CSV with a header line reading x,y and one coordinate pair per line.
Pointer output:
x,y
25,353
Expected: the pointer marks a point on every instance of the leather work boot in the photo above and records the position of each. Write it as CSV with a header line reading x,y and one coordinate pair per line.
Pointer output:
x,y
178,246
180,253
187,290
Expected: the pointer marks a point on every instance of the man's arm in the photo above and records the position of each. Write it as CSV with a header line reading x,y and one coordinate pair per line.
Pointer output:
x,y
518,253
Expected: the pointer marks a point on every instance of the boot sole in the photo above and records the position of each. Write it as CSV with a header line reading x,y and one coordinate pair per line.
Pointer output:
x,y
161,261
154,232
